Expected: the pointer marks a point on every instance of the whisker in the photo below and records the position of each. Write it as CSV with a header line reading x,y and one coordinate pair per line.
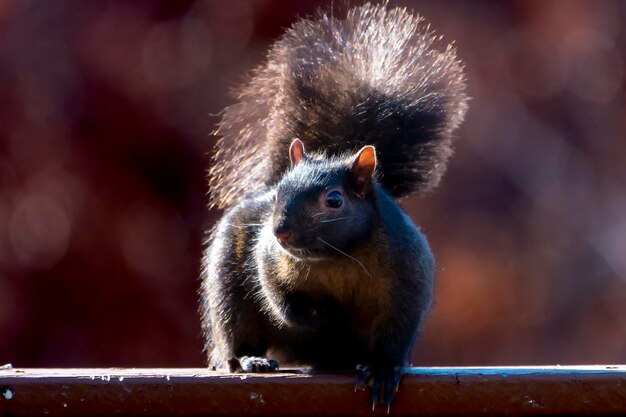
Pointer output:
x,y
343,253
334,220
247,225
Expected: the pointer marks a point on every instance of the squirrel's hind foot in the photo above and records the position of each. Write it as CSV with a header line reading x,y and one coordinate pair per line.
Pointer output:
x,y
252,364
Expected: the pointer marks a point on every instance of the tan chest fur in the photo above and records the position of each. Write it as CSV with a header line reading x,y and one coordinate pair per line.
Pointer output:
x,y
360,283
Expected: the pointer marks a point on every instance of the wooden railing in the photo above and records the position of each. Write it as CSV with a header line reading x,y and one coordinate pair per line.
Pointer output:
x,y
566,390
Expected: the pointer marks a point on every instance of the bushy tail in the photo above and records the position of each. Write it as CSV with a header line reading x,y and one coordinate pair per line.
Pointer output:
x,y
374,78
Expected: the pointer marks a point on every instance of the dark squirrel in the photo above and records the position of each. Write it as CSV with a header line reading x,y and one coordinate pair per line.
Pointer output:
x,y
314,263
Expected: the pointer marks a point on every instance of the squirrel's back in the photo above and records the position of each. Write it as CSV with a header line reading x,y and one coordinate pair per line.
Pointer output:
x,y
373,78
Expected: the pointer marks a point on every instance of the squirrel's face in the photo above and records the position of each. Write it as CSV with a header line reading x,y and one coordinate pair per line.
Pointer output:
x,y
324,207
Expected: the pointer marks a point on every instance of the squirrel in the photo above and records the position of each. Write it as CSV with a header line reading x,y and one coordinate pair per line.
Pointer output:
x,y
314,262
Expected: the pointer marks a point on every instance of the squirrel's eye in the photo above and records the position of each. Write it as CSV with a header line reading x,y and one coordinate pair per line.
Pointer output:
x,y
334,199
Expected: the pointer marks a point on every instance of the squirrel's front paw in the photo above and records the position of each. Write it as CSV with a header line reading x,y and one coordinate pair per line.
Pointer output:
x,y
252,364
384,380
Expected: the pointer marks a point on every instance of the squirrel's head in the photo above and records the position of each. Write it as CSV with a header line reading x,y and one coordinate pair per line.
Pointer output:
x,y
325,205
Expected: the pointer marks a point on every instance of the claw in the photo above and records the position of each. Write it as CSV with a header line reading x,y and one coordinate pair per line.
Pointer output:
x,y
364,375
378,383
273,365
385,383
389,388
399,371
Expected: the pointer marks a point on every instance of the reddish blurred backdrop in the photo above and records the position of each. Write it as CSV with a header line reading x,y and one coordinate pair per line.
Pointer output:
x,y
106,109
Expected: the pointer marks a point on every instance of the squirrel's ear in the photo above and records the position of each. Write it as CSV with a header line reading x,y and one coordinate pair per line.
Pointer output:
x,y
296,152
363,168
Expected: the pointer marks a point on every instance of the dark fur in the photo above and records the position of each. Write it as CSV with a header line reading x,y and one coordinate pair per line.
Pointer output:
x,y
352,284
374,78
329,312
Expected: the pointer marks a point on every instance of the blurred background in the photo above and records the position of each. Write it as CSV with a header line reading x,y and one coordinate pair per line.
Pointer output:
x,y
106,110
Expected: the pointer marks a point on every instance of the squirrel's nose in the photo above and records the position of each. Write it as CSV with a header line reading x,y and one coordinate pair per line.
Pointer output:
x,y
282,233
